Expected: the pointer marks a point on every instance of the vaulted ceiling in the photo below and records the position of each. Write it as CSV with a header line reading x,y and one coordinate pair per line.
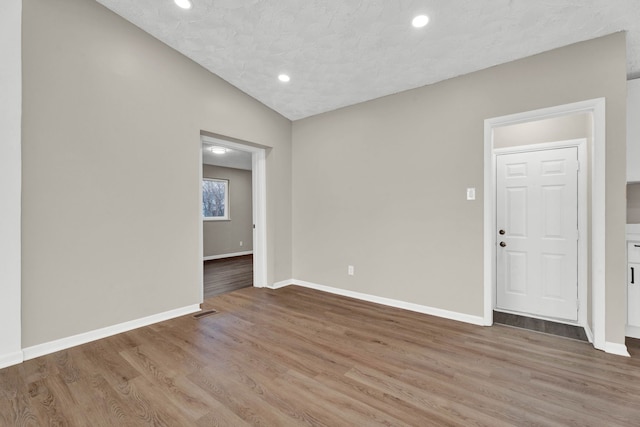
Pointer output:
x,y
342,52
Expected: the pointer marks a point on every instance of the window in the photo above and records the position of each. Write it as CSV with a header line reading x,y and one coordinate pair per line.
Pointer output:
x,y
215,199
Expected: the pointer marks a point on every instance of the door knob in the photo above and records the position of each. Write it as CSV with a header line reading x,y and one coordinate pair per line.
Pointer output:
x,y
503,244
501,231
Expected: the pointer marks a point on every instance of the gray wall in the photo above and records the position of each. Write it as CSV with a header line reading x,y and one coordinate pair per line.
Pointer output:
x,y
381,185
224,237
633,203
111,170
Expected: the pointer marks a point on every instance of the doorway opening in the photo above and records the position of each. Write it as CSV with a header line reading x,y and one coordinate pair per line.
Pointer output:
x,y
541,217
233,223
594,303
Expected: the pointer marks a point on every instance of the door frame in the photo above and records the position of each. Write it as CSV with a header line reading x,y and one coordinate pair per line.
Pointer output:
x,y
583,231
259,205
596,263
11,184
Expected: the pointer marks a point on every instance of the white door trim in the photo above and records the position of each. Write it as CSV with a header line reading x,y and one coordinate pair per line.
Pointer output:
x,y
259,194
597,262
259,202
10,182
583,247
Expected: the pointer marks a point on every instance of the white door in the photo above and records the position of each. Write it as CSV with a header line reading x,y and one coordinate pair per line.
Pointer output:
x,y
537,226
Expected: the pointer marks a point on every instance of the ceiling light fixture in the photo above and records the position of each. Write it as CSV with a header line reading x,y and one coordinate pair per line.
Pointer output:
x,y
185,4
420,21
284,78
217,150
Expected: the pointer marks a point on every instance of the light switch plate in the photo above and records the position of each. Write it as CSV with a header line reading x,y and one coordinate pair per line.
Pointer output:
x,y
471,193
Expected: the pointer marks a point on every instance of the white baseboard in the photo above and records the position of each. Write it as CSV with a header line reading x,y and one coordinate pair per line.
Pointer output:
x,y
281,284
209,258
615,348
11,359
72,341
589,332
461,317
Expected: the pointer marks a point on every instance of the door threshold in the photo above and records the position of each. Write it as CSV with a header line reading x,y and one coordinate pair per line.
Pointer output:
x,y
540,325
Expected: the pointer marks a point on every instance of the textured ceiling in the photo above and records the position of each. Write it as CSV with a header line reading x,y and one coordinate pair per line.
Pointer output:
x,y
341,52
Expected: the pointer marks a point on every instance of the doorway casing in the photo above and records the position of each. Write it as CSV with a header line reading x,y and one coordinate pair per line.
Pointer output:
x,y
259,206
597,231
11,184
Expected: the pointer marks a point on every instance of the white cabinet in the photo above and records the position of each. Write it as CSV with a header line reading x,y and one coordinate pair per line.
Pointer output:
x,y
633,130
633,284
633,280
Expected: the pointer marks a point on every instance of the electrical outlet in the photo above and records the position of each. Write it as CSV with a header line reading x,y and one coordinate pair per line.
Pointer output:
x,y
240,242
350,270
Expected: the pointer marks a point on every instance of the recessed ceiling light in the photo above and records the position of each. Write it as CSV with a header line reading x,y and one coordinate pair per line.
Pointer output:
x,y
420,21
185,4
284,78
217,150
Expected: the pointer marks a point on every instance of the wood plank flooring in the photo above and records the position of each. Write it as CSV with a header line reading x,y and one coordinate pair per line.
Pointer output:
x,y
299,357
227,274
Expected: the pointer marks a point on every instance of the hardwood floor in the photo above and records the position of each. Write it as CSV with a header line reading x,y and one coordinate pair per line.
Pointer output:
x,y
227,274
296,356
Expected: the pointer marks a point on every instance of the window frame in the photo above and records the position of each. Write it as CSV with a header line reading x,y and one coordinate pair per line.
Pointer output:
x,y
226,216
